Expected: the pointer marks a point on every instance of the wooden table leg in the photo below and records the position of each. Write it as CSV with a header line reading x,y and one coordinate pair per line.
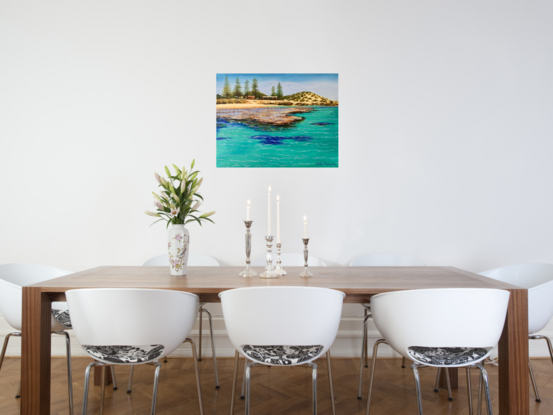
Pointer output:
x,y
35,352
514,390
98,376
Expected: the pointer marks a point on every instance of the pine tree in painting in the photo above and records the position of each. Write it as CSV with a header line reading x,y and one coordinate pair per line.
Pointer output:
x,y
273,91
247,88
237,89
227,92
279,91
255,88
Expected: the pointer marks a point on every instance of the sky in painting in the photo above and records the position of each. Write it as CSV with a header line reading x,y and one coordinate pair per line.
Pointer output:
x,y
325,85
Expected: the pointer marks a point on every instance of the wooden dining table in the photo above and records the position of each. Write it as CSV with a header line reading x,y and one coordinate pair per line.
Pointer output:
x,y
358,283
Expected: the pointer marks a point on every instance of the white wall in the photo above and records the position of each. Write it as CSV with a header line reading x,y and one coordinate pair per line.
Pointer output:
x,y
445,128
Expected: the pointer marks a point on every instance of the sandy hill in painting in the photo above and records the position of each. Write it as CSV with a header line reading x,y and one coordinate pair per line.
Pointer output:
x,y
309,98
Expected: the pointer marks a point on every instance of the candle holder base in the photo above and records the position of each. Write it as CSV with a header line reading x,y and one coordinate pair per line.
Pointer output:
x,y
269,274
280,271
248,272
305,273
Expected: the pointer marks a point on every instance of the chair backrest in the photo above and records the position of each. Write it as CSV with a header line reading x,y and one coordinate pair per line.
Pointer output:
x,y
538,279
385,260
194,260
289,260
132,317
448,317
283,316
13,277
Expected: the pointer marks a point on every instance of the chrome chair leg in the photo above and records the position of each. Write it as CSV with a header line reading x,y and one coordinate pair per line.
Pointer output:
x,y
403,363
448,383
247,377
113,378
213,348
200,335
533,381
418,386
314,380
199,386
243,394
449,396
129,390
4,348
69,375
366,339
330,382
469,390
156,384
86,386
437,386
479,409
363,356
103,390
234,378
484,374
373,365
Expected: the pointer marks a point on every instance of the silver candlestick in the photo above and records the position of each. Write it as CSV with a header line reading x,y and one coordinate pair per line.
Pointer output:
x,y
278,268
248,272
269,269
305,273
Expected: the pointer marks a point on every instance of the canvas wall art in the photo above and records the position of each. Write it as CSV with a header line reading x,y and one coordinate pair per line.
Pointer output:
x,y
277,120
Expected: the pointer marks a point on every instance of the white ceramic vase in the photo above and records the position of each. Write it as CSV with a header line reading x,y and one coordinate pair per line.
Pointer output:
x,y
178,245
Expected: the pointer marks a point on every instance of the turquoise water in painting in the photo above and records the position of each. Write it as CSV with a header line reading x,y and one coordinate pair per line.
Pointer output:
x,y
312,142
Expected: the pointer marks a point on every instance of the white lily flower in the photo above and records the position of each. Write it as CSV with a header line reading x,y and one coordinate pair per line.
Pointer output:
x,y
197,205
174,212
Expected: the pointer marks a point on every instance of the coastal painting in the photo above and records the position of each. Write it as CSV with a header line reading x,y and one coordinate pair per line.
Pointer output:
x,y
277,120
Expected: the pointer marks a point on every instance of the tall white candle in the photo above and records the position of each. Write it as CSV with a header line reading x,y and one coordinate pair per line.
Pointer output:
x,y
305,227
278,219
248,211
269,212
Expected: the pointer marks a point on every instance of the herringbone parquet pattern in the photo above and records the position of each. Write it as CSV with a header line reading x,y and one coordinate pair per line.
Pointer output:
x,y
275,391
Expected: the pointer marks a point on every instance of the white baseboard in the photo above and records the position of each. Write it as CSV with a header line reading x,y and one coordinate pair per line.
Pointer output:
x,y
347,344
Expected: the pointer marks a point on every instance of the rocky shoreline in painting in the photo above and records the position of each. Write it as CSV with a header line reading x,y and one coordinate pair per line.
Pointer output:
x,y
274,116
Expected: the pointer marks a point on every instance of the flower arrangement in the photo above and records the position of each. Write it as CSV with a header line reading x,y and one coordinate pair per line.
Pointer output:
x,y
179,200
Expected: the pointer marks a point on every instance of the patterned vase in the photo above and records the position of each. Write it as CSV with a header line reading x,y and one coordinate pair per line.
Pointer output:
x,y
178,245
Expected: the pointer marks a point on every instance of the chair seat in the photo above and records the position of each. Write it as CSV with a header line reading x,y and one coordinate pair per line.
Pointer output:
x,y
62,317
282,355
446,356
125,354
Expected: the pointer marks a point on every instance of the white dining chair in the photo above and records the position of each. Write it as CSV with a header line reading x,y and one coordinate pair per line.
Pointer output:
x,y
538,279
134,327
381,260
306,327
290,260
408,321
13,277
195,259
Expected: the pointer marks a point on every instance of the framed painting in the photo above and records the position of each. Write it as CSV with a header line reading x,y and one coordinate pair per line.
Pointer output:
x,y
277,120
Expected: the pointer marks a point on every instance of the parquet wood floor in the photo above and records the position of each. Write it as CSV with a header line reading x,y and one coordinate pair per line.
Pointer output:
x,y
275,391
